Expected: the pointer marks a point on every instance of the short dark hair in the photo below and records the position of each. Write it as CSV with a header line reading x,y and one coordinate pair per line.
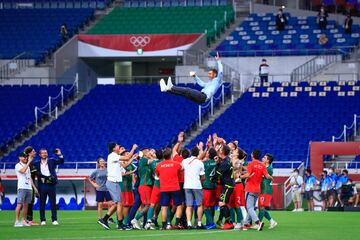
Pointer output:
x,y
159,154
42,149
111,146
308,171
269,157
185,153
256,154
214,71
296,170
167,153
345,171
242,153
195,151
225,150
325,172
212,153
28,149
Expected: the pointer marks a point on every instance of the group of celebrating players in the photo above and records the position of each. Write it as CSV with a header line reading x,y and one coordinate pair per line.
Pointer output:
x,y
184,183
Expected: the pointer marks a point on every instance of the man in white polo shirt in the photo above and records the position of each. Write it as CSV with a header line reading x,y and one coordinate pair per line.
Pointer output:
x,y
114,177
24,189
194,172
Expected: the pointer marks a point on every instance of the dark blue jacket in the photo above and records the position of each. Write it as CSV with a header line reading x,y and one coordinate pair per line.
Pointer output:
x,y
52,163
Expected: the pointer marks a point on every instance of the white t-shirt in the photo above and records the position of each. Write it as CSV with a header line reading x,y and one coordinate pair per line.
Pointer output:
x,y
114,169
296,183
193,169
24,179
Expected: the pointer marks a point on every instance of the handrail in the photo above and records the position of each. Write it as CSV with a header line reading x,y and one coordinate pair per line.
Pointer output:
x,y
344,136
289,52
51,109
310,68
14,66
78,163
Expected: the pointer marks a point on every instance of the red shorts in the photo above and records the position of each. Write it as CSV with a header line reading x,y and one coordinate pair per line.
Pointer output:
x,y
237,198
209,199
264,200
155,195
218,192
145,194
127,199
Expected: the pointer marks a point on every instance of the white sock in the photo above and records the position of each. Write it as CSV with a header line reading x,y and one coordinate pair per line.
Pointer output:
x,y
199,223
189,223
272,221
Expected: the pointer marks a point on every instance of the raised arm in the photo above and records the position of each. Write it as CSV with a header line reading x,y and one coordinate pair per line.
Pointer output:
x,y
200,82
177,146
219,66
60,159
131,153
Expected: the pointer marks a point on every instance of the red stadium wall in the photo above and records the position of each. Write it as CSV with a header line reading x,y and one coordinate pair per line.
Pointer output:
x,y
319,149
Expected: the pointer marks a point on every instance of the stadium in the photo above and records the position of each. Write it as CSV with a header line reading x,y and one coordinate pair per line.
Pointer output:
x,y
179,119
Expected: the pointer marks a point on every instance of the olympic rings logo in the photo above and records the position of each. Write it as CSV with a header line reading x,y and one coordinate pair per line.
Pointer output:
x,y
140,41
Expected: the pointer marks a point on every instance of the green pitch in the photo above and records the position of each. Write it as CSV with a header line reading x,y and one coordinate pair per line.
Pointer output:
x,y
81,225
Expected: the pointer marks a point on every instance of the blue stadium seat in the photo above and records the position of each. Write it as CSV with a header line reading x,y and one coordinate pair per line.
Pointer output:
x,y
284,126
300,37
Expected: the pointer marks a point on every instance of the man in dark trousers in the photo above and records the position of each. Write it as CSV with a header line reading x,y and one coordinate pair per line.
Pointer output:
x,y
348,24
47,180
322,18
31,153
281,20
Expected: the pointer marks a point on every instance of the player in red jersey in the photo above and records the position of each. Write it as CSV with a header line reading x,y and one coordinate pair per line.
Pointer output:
x,y
256,170
168,172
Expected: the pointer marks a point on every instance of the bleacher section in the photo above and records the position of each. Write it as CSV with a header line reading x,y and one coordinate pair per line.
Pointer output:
x,y
17,108
128,114
175,3
37,31
99,4
257,36
282,118
165,20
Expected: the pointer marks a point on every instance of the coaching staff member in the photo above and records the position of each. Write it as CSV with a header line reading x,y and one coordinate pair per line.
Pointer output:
x,y
47,180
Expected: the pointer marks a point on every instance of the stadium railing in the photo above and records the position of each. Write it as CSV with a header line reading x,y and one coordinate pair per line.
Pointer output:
x,y
346,133
15,66
77,166
54,103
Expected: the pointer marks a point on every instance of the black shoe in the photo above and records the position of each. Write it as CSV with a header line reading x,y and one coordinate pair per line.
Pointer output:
x,y
104,223
156,224
128,227
199,227
111,220
121,227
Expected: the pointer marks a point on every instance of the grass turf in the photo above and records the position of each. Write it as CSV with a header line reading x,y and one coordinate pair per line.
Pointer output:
x,y
78,225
